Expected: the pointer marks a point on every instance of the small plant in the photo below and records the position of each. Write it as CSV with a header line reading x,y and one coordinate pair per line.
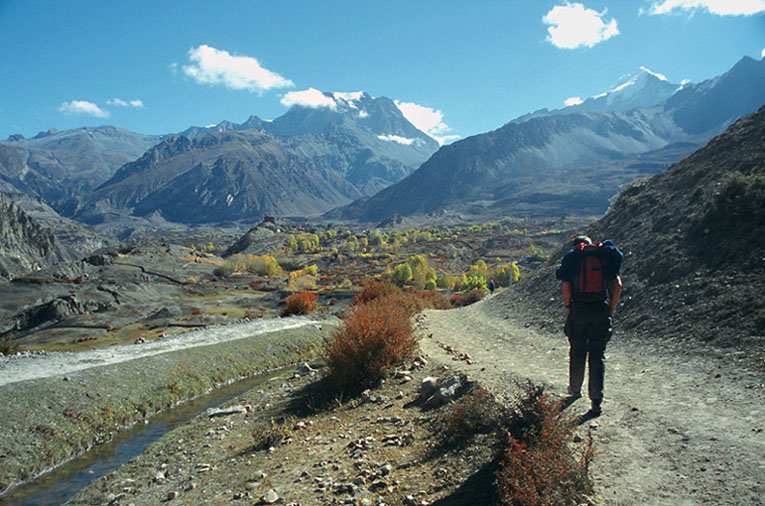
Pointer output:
x,y
8,346
300,303
267,434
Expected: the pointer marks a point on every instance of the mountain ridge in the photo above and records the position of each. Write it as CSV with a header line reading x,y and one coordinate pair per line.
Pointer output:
x,y
306,162
556,164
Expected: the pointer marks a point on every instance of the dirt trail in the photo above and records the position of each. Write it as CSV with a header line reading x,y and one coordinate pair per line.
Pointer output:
x,y
676,429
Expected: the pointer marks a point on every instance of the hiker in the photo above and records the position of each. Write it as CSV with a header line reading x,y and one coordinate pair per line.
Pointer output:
x,y
591,289
492,286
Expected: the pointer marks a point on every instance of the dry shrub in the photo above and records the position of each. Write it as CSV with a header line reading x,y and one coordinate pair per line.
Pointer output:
x,y
471,297
477,412
371,341
301,284
373,289
539,464
300,303
474,296
430,299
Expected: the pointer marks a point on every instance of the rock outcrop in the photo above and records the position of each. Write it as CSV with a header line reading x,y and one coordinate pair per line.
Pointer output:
x,y
26,245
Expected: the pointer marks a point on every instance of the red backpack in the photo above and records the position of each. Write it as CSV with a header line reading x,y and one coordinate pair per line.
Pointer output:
x,y
589,284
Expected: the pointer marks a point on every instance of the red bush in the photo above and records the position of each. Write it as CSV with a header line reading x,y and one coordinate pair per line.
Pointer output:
x,y
300,303
540,466
373,289
459,300
430,298
474,296
373,339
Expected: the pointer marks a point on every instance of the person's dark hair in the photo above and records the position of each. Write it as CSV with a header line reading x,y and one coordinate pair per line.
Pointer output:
x,y
581,239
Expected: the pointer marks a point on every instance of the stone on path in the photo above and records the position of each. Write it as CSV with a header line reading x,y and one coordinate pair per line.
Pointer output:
x,y
270,497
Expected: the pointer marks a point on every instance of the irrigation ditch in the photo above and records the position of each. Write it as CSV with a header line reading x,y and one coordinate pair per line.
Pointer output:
x,y
64,414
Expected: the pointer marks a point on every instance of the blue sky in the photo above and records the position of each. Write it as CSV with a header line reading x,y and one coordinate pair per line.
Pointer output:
x,y
457,68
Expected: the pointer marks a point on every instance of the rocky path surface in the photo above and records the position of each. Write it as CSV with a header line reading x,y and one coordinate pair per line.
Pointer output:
x,y
34,366
677,428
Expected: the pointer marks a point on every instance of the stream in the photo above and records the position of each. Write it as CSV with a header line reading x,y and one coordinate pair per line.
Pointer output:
x,y
64,482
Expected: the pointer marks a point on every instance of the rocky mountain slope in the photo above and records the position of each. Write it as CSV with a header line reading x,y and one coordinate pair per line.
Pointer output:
x,y
59,165
569,162
26,245
694,244
303,163
219,176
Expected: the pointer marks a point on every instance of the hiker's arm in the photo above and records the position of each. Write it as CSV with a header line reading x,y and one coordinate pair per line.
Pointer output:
x,y
566,289
616,292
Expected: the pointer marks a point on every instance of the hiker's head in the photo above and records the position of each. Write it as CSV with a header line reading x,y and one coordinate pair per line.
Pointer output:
x,y
581,239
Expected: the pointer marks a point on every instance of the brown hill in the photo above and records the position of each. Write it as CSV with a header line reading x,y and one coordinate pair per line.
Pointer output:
x,y
694,244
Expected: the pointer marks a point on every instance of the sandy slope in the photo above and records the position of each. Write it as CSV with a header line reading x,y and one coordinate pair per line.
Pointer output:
x,y
59,363
678,428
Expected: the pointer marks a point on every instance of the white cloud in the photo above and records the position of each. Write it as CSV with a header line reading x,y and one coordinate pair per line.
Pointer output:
x,y
427,120
118,102
573,25
311,97
573,101
216,66
763,53
719,7
82,107
396,138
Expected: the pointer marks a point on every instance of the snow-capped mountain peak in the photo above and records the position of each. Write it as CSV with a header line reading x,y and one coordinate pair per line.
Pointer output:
x,y
641,88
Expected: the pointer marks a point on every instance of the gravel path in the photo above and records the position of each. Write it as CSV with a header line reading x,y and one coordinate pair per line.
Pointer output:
x,y
23,368
677,429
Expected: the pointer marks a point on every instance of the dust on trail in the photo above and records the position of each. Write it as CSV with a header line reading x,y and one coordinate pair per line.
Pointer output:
x,y
677,429
52,364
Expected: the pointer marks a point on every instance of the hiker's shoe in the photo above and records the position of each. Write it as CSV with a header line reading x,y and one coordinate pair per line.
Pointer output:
x,y
572,393
596,409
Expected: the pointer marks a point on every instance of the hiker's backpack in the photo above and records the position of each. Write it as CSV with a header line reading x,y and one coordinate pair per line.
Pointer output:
x,y
590,284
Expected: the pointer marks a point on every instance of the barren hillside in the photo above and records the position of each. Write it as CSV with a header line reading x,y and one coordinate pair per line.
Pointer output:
x,y
694,244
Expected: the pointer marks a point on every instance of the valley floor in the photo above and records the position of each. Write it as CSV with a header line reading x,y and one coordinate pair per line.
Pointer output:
x,y
677,429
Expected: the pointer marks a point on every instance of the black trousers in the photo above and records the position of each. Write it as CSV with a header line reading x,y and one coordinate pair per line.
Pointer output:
x,y
588,328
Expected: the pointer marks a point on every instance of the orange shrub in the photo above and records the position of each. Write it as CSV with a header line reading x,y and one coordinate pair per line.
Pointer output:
x,y
459,300
456,300
430,298
373,289
372,340
540,466
300,303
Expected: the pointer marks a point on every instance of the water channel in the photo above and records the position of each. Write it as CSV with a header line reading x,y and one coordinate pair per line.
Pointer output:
x,y
64,482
